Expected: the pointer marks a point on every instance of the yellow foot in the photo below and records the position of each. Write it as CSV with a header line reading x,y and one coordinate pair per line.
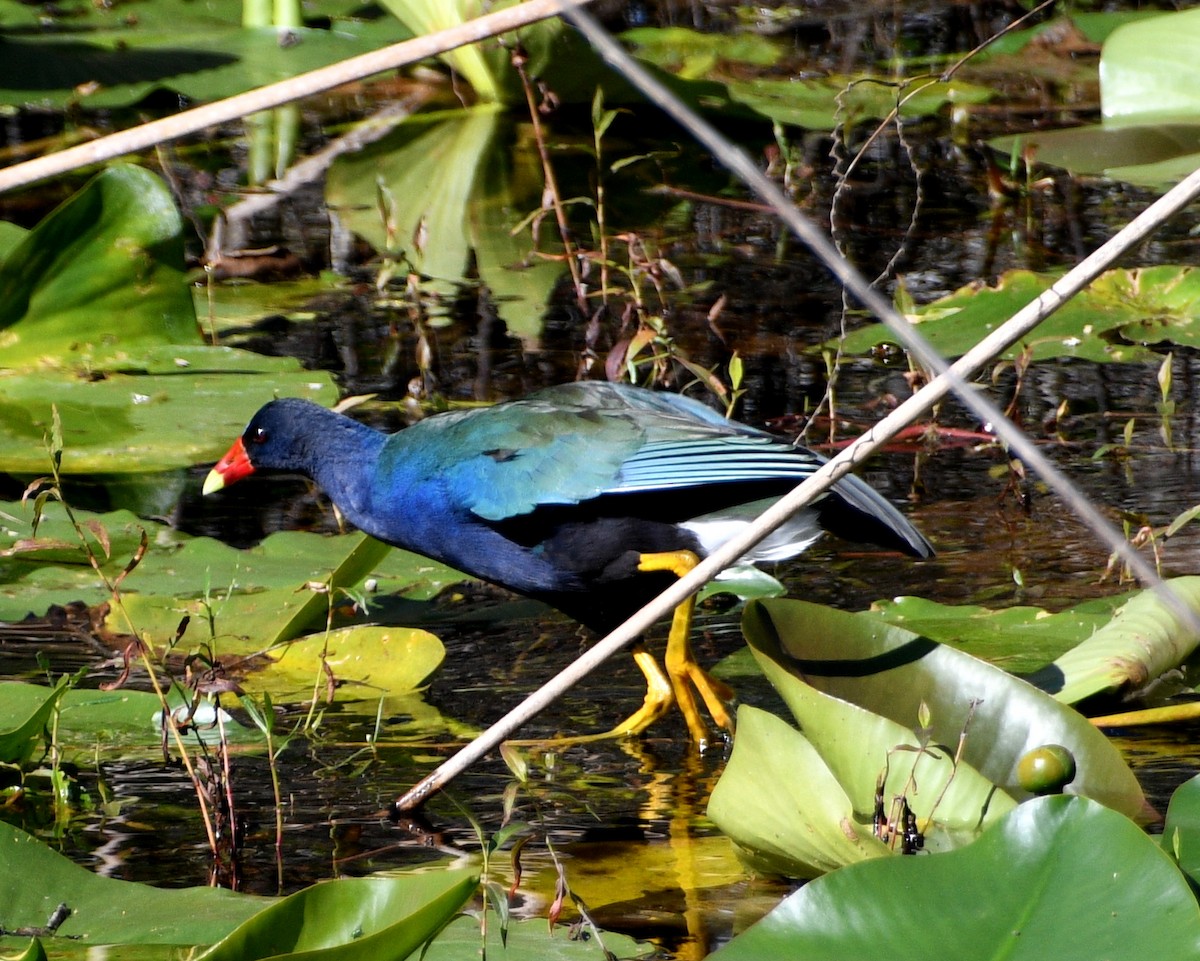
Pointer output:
x,y
659,698
683,680
687,677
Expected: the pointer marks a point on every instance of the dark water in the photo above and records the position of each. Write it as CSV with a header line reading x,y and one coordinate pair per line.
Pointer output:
x,y
614,807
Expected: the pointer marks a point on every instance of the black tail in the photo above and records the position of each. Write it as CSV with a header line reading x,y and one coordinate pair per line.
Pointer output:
x,y
857,512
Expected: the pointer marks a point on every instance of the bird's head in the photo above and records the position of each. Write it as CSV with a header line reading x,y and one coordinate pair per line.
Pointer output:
x,y
275,439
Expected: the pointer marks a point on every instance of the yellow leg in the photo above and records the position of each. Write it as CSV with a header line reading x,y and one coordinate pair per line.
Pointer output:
x,y
684,677
682,669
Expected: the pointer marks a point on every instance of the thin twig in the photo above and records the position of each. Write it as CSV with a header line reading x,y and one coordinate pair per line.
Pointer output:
x,y
560,213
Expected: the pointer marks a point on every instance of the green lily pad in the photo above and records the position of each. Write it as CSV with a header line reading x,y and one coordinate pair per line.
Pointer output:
x,y
258,594
800,803
23,727
11,236
692,55
711,69
351,919
893,672
366,662
1181,829
1143,640
527,938
105,268
783,807
136,422
822,104
1061,878
1155,155
96,320
123,723
1145,68
1113,319
111,57
34,880
1094,26
1019,639
1149,135
33,952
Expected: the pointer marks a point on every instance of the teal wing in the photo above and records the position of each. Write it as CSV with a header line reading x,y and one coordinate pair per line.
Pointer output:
x,y
568,444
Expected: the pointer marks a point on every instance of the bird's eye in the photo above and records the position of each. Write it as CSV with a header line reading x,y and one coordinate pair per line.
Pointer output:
x,y
258,436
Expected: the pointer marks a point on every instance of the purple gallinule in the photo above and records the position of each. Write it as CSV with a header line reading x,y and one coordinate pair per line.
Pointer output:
x,y
590,496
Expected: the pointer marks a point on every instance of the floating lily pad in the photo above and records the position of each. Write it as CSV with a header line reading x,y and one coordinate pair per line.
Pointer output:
x,y
1142,640
1061,878
34,880
691,54
112,57
1093,26
122,723
367,662
351,919
822,104
711,69
1019,639
96,320
181,410
800,803
1149,135
1181,828
784,808
1149,70
105,268
256,593
893,672
25,718
1120,313
1154,155
528,938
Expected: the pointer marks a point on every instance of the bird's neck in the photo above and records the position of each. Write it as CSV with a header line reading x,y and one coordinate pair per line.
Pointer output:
x,y
341,458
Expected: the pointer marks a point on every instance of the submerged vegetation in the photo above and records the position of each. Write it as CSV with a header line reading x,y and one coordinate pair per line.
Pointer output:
x,y
524,219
